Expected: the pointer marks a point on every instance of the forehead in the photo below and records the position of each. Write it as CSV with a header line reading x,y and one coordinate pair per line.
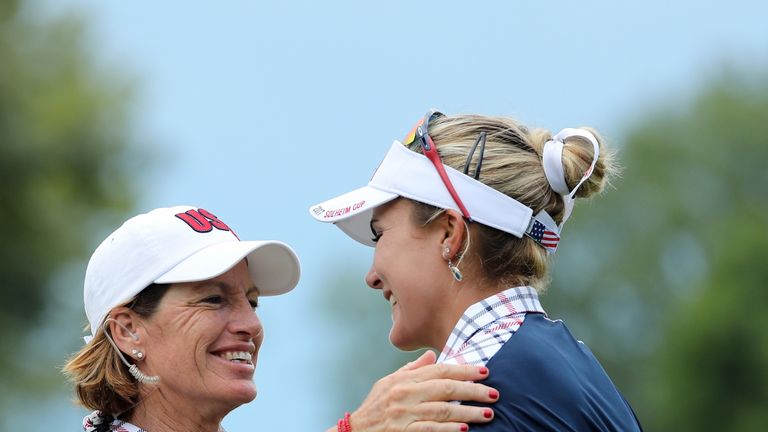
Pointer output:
x,y
394,207
235,280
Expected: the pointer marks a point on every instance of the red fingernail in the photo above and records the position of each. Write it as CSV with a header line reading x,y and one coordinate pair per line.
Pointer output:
x,y
493,394
464,428
487,413
483,371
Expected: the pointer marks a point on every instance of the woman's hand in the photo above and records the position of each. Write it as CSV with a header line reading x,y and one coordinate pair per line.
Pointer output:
x,y
417,398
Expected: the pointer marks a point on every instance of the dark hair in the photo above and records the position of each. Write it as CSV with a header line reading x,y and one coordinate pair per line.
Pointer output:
x,y
145,303
102,382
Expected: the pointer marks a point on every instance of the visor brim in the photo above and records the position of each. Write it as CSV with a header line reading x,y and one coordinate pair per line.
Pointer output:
x,y
352,211
273,266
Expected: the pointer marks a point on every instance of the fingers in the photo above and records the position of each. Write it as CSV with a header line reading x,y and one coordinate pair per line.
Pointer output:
x,y
446,412
419,396
451,390
428,358
446,371
437,427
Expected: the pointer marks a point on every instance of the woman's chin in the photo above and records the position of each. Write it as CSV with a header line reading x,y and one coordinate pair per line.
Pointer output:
x,y
402,342
241,393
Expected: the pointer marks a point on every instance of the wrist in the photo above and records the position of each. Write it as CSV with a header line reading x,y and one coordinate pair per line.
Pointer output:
x,y
344,424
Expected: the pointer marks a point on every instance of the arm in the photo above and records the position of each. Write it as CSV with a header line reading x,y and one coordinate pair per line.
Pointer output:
x,y
418,396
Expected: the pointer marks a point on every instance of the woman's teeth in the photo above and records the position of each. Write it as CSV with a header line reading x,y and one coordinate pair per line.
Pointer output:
x,y
237,356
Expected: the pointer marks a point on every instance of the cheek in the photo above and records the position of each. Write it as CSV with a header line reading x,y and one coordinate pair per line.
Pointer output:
x,y
422,298
189,332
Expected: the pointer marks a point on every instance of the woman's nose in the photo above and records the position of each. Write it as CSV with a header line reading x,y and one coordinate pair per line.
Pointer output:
x,y
372,279
246,321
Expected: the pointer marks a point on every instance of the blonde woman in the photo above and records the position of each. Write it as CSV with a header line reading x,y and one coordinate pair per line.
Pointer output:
x,y
464,217
170,298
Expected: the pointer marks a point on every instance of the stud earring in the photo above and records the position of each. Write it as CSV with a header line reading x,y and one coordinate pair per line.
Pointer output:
x,y
455,271
137,353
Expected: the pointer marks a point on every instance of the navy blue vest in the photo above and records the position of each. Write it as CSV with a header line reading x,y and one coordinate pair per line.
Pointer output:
x,y
548,381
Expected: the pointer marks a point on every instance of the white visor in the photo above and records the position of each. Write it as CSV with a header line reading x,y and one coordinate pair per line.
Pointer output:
x,y
411,175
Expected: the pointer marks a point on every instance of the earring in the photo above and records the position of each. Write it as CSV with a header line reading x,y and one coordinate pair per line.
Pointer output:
x,y
141,377
446,252
455,271
132,368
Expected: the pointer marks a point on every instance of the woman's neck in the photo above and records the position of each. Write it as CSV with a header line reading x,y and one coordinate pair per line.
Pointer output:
x,y
463,295
160,414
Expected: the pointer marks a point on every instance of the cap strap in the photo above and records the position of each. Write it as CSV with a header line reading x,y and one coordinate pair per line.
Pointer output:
x,y
544,231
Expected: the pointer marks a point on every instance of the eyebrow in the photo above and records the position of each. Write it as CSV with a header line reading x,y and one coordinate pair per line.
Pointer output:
x,y
226,287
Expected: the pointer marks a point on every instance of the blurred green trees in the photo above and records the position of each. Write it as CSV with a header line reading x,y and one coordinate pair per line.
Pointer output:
x,y
64,173
665,277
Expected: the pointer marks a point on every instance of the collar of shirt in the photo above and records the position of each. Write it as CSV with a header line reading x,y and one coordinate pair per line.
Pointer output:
x,y
92,421
486,325
91,424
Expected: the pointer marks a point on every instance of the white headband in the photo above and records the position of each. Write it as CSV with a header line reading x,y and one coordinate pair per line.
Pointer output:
x,y
411,175
553,165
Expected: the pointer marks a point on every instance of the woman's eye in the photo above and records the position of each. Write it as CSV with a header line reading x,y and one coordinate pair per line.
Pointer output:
x,y
214,299
254,303
376,234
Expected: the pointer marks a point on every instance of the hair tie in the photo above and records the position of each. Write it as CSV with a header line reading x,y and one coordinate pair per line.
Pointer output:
x,y
552,159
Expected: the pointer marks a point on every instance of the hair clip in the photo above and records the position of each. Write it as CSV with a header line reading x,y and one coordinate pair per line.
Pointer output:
x,y
480,140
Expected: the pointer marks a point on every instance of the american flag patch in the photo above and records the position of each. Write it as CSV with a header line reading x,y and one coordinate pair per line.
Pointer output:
x,y
543,236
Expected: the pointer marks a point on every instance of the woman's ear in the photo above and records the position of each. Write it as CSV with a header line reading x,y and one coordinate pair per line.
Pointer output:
x,y
455,231
123,326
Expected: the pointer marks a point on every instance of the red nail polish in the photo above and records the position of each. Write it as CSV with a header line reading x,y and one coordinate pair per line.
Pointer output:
x,y
483,371
493,394
464,428
487,413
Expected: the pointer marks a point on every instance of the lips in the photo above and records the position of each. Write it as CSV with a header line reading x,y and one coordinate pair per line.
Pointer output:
x,y
391,298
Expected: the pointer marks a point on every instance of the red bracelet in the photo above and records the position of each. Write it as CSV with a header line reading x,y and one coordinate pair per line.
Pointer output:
x,y
343,425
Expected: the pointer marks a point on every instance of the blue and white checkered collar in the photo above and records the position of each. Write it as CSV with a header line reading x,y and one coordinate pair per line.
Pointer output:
x,y
481,316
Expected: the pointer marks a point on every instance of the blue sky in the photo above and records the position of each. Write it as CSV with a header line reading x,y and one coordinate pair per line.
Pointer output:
x,y
257,110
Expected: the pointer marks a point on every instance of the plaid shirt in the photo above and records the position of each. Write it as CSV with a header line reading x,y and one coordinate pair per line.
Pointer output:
x,y
486,325
91,422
